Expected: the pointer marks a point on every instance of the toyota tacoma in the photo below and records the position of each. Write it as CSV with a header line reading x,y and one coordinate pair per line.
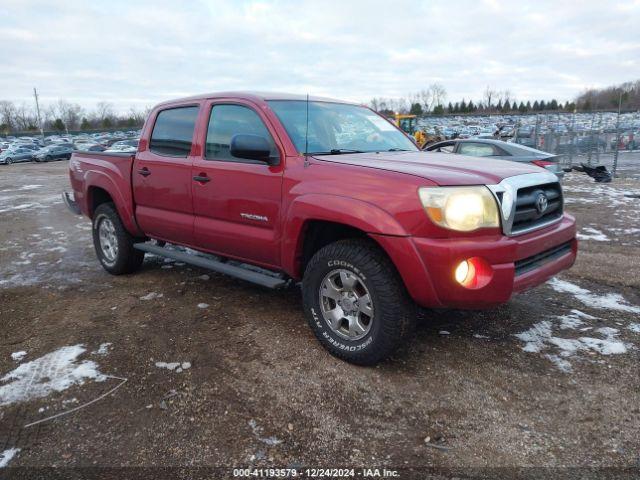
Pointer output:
x,y
276,188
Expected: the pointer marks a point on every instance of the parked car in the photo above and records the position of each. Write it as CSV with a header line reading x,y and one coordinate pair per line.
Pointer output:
x,y
16,154
339,199
497,149
54,152
89,147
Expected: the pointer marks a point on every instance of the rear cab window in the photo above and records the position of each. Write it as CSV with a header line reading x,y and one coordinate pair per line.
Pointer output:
x,y
172,133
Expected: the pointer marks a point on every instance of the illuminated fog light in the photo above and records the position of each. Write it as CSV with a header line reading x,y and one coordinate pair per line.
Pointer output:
x,y
462,271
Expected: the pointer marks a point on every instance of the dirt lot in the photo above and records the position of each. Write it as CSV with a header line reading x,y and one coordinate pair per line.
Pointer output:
x,y
550,379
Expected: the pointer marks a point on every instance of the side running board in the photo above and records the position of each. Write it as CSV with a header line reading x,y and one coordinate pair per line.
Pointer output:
x,y
202,261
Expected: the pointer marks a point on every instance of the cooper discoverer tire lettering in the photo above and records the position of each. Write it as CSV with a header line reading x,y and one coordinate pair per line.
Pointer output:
x,y
356,303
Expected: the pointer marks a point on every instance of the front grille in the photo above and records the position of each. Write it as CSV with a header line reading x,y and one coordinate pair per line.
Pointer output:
x,y
535,261
527,217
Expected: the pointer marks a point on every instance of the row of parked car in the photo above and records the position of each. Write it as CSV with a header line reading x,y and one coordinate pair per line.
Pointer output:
x,y
60,147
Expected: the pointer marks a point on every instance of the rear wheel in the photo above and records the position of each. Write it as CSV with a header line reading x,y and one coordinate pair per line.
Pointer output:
x,y
48,158
356,302
113,244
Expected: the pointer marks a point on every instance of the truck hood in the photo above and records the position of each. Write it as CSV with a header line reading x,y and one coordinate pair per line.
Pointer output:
x,y
440,168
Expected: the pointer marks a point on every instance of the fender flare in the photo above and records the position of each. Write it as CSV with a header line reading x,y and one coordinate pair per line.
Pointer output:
x,y
331,208
123,202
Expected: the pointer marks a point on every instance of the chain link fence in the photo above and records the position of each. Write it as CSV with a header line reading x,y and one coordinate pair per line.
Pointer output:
x,y
598,138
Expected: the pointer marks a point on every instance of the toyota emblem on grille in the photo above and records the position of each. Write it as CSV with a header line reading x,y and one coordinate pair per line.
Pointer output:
x,y
542,203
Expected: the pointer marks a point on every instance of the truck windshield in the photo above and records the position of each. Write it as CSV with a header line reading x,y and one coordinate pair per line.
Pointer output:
x,y
336,128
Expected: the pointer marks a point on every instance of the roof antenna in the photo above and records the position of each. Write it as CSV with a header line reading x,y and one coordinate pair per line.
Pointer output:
x,y
306,137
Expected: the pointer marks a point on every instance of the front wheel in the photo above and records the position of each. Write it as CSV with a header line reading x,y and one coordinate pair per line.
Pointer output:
x,y
9,161
48,158
356,303
113,243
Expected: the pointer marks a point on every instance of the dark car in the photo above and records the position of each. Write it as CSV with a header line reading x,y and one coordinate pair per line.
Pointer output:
x,y
16,154
53,152
480,147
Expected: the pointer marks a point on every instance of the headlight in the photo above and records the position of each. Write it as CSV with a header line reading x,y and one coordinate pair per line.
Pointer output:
x,y
460,208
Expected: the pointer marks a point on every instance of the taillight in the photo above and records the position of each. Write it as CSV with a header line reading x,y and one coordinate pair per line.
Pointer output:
x,y
543,163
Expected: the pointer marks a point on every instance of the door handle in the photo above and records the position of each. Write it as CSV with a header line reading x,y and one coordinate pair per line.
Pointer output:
x,y
202,178
144,171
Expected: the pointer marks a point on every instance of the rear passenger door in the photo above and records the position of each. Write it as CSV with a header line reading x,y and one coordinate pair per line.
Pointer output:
x,y
237,201
161,176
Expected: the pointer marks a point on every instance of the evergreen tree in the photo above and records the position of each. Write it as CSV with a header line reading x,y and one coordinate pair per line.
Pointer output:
x,y
553,105
528,106
85,124
543,105
522,107
416,109
58,125
438,110
463,106
450,108
507,106
536,106
471,107
456,108
499,105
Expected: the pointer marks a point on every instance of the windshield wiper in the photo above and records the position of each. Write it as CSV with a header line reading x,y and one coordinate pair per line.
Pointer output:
x,y
398,150
336,151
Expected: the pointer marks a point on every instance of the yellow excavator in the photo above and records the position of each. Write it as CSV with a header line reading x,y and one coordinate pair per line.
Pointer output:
x,y
409,125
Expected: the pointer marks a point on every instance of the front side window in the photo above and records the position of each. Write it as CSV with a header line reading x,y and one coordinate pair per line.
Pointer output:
x,y
338,128
173,132
229,120
476,150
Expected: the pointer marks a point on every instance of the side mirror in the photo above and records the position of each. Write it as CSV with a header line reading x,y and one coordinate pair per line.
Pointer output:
x,y
252,147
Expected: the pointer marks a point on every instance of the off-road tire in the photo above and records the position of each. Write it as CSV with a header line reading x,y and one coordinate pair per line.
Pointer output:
x,y
127,259
394,312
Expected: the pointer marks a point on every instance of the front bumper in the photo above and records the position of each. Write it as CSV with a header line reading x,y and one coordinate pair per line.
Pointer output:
x,y
427,265
70,202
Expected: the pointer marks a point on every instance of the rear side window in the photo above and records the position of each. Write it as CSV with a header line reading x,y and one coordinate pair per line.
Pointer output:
x,y
173,131
476,150
227,121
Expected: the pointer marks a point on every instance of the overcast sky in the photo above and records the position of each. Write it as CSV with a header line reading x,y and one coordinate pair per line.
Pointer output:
x,y
139,53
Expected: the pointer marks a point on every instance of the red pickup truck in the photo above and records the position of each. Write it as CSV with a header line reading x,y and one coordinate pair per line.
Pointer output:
x,y
275,188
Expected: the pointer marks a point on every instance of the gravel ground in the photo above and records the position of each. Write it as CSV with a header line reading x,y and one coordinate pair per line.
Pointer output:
x,y
220,373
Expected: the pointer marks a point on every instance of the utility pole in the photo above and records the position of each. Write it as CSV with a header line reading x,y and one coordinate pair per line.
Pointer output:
x,y
35,94
615,153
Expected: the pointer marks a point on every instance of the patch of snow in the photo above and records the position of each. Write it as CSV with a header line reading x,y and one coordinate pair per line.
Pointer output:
x,y
204,277
177,366
477,335
7,456
609,301
203,305
151,296
103,349
53,372
257,431
634,327
444,332
540,338
17,356
592,234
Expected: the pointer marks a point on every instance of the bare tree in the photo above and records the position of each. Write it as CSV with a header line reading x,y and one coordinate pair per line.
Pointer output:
x,y
104,112
489,96
438,95
7,114
25,117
